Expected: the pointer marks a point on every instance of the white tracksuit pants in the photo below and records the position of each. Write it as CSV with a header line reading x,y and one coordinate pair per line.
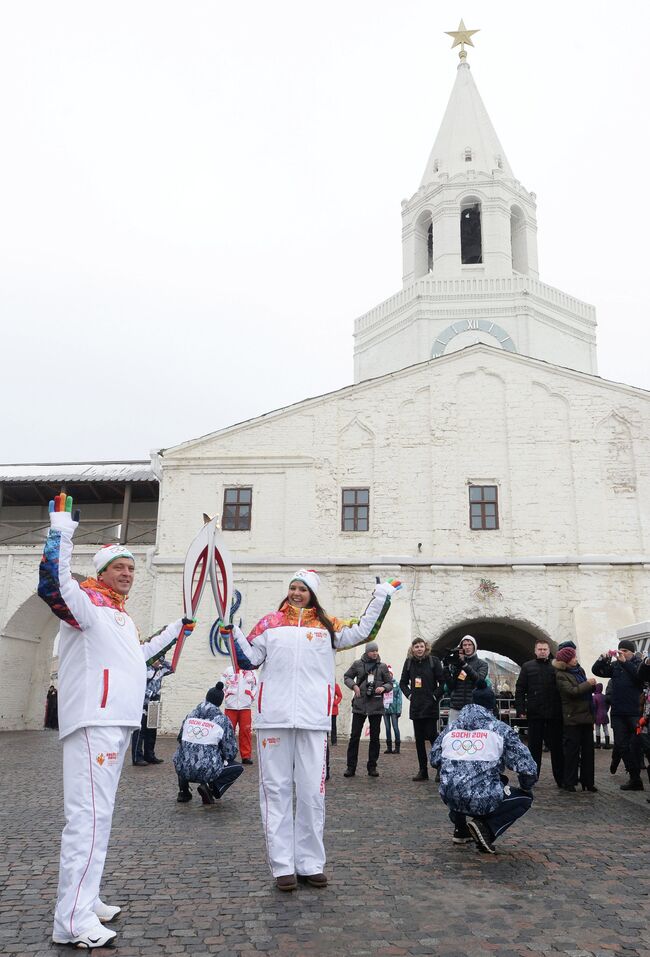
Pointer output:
x,y
92,762
289,756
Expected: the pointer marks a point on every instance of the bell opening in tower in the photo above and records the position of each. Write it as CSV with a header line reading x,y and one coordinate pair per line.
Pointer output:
x,y
471,249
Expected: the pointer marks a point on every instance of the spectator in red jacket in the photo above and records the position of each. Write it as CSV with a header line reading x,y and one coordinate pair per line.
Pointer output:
x,y
338,695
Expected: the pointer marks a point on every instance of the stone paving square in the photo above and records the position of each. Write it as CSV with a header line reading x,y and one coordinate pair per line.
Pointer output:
x,y
571,878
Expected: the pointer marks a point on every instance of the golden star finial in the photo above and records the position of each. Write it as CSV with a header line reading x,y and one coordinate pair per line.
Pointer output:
x,y
461,37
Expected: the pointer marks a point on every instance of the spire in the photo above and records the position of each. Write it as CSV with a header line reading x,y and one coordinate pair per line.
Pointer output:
x,y
466,140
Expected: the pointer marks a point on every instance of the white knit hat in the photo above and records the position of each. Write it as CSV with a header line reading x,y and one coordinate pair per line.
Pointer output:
x,y
108,554
308,577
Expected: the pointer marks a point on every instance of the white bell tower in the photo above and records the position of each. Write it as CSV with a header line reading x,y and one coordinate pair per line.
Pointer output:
x,y
470,272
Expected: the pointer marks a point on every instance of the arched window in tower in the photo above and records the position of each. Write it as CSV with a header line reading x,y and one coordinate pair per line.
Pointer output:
x,y
423,245
518,243
468,154
471,247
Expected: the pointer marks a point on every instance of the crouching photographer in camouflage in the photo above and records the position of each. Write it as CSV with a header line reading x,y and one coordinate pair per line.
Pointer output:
x,y
206,748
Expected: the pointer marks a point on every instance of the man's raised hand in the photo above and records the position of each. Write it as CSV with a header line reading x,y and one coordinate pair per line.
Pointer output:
x,y
62,518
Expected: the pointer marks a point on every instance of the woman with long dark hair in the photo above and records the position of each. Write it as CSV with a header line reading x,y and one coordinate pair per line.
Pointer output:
x,y
296,647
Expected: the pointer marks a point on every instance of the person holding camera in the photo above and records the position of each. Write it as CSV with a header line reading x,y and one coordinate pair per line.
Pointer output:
x,y
463,669
622,666
369,680
422,683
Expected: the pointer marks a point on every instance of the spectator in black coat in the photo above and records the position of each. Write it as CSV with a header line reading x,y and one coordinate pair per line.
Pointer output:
x,y
422,683
627,685
538,700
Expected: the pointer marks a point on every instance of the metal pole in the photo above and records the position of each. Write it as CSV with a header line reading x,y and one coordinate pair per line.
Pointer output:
x,y
126,507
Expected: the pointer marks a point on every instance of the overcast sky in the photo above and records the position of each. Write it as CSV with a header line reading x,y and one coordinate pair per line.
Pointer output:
x,y
198,198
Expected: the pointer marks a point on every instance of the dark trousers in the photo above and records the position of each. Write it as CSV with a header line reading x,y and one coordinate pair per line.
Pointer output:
x,y
219,784
143,742
513,806
358,721
333,737
624,728
578,754
424,729
391,723
542,731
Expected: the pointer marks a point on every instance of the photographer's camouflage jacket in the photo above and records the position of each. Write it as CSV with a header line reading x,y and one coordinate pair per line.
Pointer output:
x,y
472,754
206,740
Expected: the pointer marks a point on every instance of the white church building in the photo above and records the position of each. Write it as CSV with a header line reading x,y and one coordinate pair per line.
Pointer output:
x,y
477,455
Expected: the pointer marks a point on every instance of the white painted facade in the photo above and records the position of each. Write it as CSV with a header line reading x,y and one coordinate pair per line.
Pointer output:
x,y
569,453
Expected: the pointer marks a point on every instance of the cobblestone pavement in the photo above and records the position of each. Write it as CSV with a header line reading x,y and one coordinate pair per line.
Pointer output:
x,y
571,878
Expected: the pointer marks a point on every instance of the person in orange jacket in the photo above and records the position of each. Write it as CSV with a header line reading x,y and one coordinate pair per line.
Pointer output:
x,y
338,695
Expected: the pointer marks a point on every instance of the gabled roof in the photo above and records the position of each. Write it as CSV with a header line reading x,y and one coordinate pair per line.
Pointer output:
x,y
368,384
465,125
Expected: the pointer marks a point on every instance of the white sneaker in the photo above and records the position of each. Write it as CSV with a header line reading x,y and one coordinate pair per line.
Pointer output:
x,y
96,937
106,912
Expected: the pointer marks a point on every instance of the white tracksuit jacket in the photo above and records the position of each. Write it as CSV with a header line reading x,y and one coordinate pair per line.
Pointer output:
x,y
297,680
102,665
239,689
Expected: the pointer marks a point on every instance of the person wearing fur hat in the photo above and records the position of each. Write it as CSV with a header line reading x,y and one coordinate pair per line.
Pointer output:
x,y
578,716
296,647
462,670
472,754
206,750
623,669
102,679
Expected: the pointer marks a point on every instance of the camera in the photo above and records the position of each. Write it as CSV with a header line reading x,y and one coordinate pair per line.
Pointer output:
x,y
452,659
370,685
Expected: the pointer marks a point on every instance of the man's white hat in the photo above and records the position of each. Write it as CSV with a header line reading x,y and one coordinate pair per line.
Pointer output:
x,y
108,554
309,577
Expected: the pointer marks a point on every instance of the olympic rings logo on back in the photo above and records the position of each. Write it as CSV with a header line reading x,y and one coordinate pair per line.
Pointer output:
x,y
199,732
468,746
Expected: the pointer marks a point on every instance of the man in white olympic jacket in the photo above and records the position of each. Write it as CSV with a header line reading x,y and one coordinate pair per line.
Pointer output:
x,y
102,678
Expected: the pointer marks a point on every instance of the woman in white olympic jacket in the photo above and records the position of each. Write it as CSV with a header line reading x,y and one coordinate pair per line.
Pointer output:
x,y
296,647
102,680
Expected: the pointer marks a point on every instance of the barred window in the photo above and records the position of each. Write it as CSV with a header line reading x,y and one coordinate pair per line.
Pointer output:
x,y
356,510
483,507
237,505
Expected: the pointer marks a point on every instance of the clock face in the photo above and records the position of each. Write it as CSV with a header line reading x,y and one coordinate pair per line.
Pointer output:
x,y
470,331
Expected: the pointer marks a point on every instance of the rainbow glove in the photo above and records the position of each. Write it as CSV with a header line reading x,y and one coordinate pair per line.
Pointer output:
x,y
395,583
189,624
62,518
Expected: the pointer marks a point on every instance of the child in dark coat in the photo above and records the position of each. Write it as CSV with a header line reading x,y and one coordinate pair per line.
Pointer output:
x,y
601,721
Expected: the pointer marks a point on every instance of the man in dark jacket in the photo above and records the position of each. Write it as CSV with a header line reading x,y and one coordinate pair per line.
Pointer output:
x,y
422,684
369,679
538,700
627,684
463,670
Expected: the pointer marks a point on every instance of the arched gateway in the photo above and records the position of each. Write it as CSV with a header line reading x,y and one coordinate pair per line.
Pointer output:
x,y
505,636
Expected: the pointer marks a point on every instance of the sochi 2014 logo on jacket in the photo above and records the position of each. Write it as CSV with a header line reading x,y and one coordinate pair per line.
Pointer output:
x,y
477,745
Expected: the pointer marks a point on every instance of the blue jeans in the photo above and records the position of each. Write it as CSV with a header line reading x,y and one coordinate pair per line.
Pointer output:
x,y
392,720
512,807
